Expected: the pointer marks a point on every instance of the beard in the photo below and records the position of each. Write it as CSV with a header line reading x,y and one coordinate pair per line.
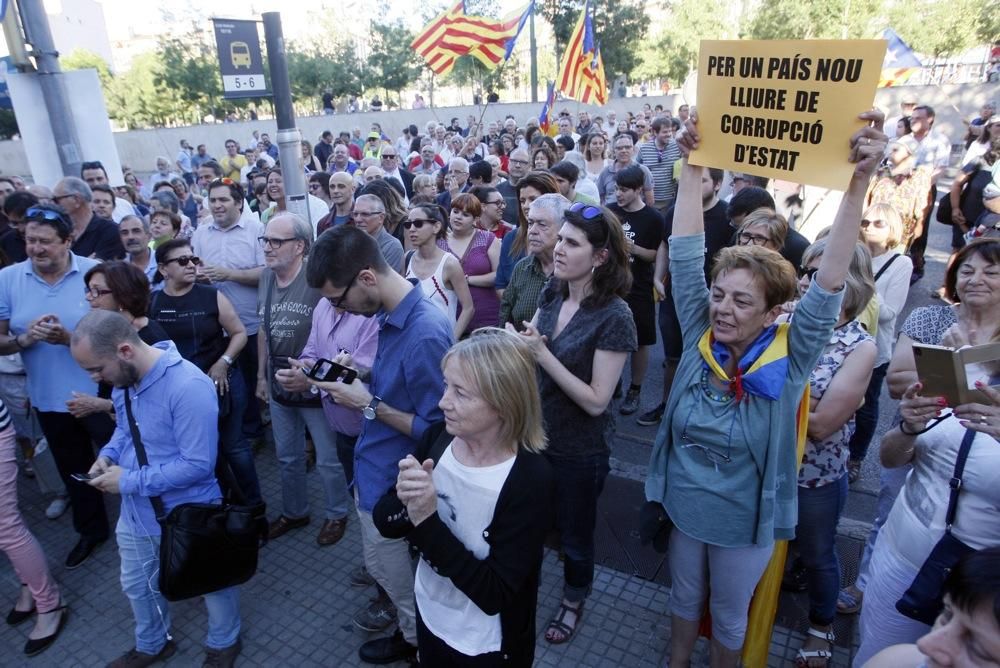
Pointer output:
x,y
128,375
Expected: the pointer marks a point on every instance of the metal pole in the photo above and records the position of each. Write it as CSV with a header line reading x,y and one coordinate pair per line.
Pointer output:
x,y
534,58
289,138
15,38
38,34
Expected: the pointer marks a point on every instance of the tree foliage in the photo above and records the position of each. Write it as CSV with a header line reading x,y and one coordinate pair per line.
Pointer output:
x,y
941,28
815,19
619,27
672,52
392,64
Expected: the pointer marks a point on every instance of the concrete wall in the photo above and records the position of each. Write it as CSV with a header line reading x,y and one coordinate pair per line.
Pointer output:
x,y
139,148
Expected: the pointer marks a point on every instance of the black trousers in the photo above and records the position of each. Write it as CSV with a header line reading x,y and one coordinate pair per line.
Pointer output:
x,y
246,363
435,653
72,442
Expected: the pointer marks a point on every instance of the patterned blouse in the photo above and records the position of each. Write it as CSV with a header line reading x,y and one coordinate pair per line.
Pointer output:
x,y
826,461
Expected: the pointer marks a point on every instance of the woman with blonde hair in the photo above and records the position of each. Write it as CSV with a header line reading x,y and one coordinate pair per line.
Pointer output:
x,y
763,227
476,507
881,232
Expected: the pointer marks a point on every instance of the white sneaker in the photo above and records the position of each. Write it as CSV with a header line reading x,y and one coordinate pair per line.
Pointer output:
x,y
57,507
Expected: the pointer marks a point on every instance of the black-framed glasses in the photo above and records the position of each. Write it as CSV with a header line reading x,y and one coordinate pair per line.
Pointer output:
x,y
498,202
184,260
418,223
389,156
809,272
588,211
748,238
338,301
94,293
58,198
518,162
273,243
367,214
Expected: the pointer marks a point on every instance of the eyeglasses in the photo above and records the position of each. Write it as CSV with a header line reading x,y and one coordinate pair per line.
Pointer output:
x,y
518,162
273,242
338,301
587,211
94,293
874,223
56,198
498,202
808,272
367,214
183,260
748,238
418,223
389,156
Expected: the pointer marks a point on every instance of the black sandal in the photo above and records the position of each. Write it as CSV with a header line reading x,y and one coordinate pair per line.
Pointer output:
x,y
557,624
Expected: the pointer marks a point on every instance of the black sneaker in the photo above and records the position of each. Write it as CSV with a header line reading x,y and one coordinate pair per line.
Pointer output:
x,y
631,403
388,650
651,417
136,659
222,658
378,616
361,578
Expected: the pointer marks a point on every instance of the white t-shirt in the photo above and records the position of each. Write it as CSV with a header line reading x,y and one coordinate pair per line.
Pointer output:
x,y
467,497
892,288
917,520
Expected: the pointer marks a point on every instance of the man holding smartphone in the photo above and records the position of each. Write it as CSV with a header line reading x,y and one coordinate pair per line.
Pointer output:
x,y
176,408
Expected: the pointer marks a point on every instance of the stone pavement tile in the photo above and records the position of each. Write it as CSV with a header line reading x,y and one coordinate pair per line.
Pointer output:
x,y
297,610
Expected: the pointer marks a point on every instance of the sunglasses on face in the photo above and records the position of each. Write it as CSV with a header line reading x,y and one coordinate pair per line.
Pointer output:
x,y
184,260
808,272
417,223
878,224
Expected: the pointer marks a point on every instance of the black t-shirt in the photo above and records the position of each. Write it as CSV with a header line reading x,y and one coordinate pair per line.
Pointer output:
x,y
101,239
795,246
643,228
718,233
192,323
12,245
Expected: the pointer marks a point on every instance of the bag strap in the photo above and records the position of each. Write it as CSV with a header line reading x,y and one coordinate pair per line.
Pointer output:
x,y
885,266
140,453
956,479
406,261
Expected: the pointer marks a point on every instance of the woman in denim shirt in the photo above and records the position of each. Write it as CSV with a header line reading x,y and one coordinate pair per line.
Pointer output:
x,y
724,462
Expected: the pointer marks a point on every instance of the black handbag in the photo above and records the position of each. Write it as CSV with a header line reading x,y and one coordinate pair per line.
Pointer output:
x,y
923,601
204,547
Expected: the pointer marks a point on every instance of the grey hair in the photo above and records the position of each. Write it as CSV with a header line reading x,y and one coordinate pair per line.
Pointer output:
x,y
373,199
553,204
167,199
859,285
301,228
458,162
145,223
75,186
105,330
576,158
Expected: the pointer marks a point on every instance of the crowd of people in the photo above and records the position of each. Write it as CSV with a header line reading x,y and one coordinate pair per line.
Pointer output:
x,y
485,287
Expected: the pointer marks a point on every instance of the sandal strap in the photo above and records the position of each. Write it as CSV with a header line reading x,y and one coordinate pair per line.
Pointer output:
x,y
805,654
824,635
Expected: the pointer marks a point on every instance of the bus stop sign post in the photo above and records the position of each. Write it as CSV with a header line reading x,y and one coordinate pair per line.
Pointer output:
x,y
240,61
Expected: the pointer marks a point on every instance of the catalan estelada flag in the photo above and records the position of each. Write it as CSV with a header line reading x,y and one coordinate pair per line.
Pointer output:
x,y
545,118
428,44
581,74
595,86
900,62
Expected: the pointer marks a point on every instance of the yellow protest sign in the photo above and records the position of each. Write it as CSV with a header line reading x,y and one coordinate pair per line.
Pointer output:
x,y
785,109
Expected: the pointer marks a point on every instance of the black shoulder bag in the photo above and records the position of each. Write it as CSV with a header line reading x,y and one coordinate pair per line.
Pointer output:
x,y
923,601
204,547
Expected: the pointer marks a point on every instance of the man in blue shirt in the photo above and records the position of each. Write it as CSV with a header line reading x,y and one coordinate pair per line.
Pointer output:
x,y
406,383
176,409
41,300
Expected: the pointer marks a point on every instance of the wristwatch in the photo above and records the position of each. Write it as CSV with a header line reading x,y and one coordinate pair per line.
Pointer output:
x,y
227,359
369,410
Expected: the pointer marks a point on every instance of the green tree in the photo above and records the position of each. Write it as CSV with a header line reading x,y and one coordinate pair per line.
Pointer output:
x,y
673,51
313,71
815,19
189,70
619,27
8,124
392,64
941,28
82,59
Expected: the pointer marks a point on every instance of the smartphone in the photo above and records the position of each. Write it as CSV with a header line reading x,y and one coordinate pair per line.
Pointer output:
x,y
328,371
84,477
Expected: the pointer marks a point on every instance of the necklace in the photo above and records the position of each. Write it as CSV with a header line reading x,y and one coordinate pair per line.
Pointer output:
x,y
711,392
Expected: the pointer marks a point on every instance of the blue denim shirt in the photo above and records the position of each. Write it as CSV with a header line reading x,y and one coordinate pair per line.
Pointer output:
x,y
407,375
177,412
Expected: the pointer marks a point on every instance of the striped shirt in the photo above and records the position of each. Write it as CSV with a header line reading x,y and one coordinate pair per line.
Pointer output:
x,y
4,416
661,165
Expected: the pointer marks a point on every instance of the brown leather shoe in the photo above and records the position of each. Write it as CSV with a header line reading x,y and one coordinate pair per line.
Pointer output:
x,y
332,531
283,525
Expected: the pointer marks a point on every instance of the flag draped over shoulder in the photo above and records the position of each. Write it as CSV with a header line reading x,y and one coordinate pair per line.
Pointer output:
x,y
454,33
581,73
900,62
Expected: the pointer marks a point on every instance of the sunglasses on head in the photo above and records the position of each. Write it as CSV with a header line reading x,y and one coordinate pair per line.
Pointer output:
x,y
45,214
586,210
183,260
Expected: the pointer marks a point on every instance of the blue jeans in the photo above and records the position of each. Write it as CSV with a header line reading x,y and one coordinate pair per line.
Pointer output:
x,y
345,453
866,417
234,446
816,534
140,556
578,484
289,424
